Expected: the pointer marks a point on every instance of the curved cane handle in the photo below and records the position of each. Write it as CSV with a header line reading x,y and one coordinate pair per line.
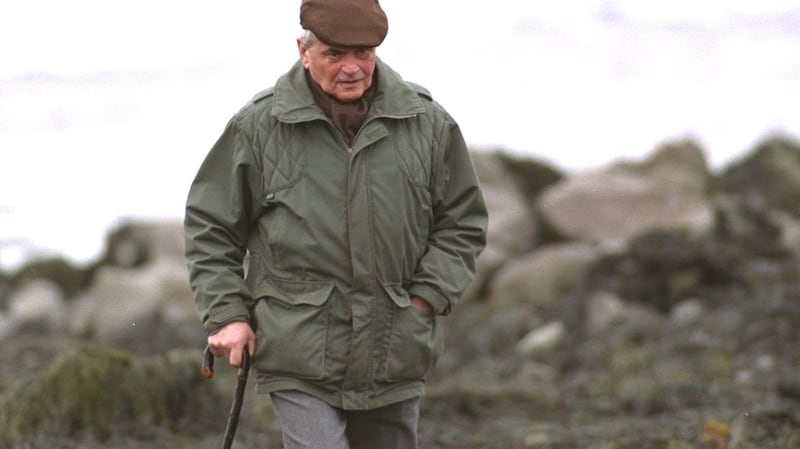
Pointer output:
x,y
207,367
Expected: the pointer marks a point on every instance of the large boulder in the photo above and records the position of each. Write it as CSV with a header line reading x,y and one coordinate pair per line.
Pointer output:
x,y
530,176
38,304
512,229
543,276
760,197
508,186
771,172
664,268
665,192
148,307
70,278
524,295
140,296
136,243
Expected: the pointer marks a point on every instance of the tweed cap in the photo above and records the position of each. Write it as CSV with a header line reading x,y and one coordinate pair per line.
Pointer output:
x,y
345,23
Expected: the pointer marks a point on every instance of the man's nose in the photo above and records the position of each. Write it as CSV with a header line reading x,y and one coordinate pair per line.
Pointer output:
x,y
350,65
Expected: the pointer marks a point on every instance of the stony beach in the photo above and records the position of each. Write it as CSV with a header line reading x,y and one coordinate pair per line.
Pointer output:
x,y
646,304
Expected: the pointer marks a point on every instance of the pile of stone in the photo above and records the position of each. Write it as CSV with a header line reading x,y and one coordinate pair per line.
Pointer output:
x,y
646,304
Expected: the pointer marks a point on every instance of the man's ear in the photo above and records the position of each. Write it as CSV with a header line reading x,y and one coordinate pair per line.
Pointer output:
x,y
303,50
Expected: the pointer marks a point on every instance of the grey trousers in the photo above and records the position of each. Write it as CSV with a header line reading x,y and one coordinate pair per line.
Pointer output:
x,y
309,423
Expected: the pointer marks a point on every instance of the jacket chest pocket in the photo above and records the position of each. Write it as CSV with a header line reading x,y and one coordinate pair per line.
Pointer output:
x,y
303,217
290,228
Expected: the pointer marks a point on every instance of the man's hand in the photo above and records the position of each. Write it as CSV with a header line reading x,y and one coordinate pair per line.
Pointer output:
x,y
421,305
229,341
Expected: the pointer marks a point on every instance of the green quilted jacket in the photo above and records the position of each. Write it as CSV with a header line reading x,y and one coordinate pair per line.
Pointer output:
x,y
320,246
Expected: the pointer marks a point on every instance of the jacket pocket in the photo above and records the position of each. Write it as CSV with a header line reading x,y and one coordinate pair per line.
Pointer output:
x,y
291,328
415,342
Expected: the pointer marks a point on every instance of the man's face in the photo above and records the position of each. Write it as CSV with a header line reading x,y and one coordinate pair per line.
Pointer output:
x,y
344,73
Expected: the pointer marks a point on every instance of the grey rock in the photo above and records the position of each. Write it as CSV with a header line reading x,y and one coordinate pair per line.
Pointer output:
x,y
667,191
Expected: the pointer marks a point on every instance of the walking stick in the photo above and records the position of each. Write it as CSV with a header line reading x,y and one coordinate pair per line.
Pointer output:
x,y
236,407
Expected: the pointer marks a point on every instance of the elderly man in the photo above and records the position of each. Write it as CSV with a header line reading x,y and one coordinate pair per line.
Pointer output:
x,y
353,194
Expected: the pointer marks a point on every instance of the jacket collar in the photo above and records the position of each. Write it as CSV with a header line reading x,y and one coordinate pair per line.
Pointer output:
x,y
293,101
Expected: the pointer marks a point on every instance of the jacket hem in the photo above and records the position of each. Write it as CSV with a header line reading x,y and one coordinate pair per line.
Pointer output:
x,y
345,400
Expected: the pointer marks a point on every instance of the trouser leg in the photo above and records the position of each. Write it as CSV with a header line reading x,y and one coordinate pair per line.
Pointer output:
x,y
309,423
391,427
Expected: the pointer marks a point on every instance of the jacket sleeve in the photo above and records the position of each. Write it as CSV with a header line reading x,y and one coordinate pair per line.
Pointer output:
x,y
219,213
459,230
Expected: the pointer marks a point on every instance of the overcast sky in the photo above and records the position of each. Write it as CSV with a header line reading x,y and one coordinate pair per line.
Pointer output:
x,y
107,107
88,35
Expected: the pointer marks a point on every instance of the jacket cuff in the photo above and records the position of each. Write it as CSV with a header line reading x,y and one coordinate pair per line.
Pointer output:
x,y
224,316
439,303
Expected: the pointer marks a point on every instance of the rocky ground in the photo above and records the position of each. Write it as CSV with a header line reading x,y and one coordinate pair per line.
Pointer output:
x,y
645,305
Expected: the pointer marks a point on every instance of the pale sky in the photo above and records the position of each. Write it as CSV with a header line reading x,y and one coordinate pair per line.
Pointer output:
x,y
108,107
90,35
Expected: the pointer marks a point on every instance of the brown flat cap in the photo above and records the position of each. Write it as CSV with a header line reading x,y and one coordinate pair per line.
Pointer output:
x,y
345,23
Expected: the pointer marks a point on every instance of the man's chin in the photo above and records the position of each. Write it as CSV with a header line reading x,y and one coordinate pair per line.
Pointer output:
x,y
350,95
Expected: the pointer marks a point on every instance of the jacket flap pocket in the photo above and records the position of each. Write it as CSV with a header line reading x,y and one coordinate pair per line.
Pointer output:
x,y
295,293
398,294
